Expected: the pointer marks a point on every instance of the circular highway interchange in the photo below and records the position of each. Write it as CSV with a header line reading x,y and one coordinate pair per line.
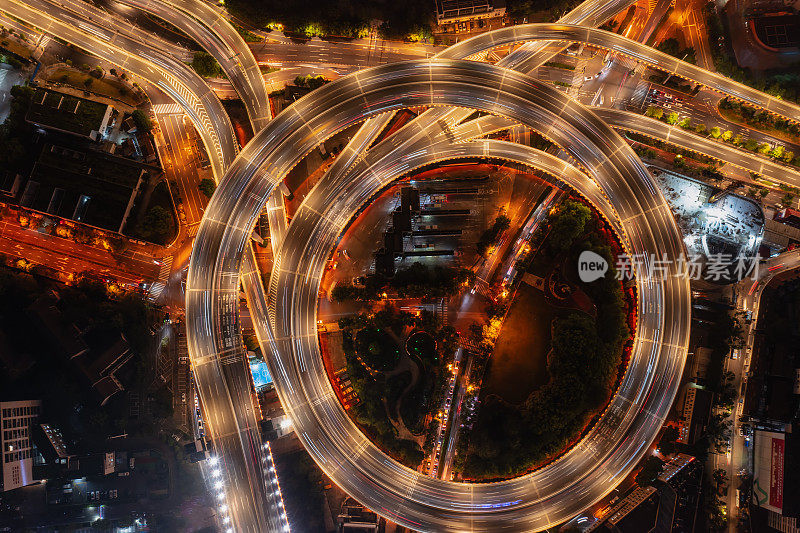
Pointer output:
x,y
616,182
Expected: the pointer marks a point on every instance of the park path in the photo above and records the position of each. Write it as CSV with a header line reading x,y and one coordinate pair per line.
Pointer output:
x,y
406,364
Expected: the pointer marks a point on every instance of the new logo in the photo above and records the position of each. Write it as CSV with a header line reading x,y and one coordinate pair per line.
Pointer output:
x,y
591,266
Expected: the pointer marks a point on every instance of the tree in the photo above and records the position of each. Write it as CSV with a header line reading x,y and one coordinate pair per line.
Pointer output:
x,y
654,112
788,156
651,468
738,140
312,82
668,439
720,477
207,187
700,128
315,82
142,121
726,135
672,118
490,236
88,82
763,148
251,342
686,123
716,132
156,225
204,64
777,152
567,224
787,199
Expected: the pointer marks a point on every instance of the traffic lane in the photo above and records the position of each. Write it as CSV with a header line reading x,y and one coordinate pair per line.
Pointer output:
x,y
589,13
71,257
170,75
233,55
183,167
124,25
689,140
322,52
628,47
703,109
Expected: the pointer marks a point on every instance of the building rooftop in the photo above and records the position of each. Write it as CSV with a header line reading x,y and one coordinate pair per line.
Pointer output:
x,y
68,114
457,10
86,186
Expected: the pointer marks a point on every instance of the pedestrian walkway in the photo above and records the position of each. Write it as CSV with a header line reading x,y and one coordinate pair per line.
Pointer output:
x,y
163,277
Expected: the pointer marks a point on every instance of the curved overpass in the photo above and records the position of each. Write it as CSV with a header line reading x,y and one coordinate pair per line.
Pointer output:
x,y
534,501
628,47
162,70
420,497
224,387
203,23
369,474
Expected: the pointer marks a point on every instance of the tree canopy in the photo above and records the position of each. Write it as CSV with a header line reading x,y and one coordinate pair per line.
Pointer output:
x,y
207,187
205,65
567,224
157,224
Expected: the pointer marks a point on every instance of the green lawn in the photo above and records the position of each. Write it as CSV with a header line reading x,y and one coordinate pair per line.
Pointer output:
x,y
518,365
107,86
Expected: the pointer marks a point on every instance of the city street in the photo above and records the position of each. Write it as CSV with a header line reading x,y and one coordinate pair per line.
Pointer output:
x,y
66,256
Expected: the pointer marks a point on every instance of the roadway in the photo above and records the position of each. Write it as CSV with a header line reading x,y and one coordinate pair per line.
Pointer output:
x,y
629,48
748,299
162,70
69,257
224,323
203,23
360,53
232,419
297,320
533,501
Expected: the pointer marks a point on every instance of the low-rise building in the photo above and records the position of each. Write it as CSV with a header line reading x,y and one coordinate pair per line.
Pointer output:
x,y
69,114
695,413
354,517
636,513
455,11
17,419
97,356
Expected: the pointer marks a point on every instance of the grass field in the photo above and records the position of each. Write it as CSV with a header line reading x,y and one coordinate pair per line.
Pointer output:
x,y
518,365
107,86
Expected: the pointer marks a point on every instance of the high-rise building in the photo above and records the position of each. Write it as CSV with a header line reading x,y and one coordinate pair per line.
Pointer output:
x,y
17,420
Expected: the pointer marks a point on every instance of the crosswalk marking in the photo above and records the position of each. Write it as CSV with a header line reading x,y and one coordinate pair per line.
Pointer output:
x,y
163,276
